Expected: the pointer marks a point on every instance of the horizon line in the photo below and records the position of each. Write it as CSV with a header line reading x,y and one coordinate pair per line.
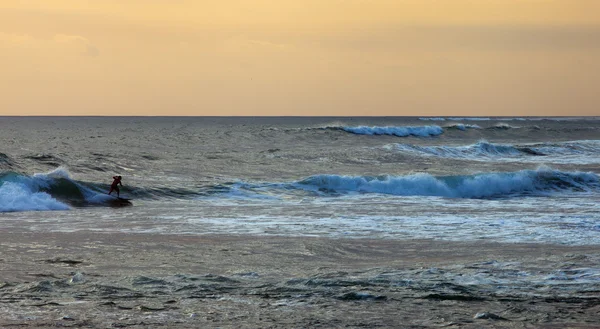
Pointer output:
x,y
298,116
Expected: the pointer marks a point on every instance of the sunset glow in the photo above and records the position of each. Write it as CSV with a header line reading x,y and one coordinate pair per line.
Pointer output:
x,y
312,57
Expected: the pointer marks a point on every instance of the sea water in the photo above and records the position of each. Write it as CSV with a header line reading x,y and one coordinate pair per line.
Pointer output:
x,y
532,180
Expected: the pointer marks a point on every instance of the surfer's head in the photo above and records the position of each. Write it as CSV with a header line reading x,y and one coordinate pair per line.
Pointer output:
x,y
119,177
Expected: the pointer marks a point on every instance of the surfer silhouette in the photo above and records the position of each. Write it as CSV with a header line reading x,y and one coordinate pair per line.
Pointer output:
x,y
114,185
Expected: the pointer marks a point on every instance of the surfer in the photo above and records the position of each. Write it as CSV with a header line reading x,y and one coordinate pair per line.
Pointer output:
x,y
113,186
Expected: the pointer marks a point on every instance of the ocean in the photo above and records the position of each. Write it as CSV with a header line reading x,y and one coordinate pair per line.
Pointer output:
x,y
300,222
498,179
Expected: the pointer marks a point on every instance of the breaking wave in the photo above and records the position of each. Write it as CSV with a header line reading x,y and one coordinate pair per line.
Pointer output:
x,y
422,131
503,126
54,190
462,126
22,193
540,182
487,185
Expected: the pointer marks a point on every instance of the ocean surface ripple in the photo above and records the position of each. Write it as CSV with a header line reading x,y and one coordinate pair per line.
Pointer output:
x,y
502,179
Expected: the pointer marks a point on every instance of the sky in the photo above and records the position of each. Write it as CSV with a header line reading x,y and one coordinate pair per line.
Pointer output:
x,y
309,57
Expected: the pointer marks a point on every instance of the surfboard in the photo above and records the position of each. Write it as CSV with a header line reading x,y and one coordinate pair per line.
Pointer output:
x,y
118,201
120,198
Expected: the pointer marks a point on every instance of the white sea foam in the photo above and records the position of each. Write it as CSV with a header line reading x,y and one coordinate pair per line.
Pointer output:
x,y
504,126
23,196
462,126
567,219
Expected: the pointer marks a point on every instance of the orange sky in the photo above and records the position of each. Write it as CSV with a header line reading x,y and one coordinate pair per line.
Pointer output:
x,y
290,57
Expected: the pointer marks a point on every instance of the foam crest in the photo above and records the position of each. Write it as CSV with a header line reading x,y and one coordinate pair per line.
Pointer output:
x,y
20,196
503,126
462,126
422,131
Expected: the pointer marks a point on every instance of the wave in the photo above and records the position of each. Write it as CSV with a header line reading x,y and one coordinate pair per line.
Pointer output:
x,y
487,185
462,126
540,182
21,197
54,190
422,131
480,149
503,126
432,119
580,152
399,131
22,193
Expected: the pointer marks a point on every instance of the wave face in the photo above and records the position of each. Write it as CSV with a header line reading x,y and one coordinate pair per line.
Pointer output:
x,y
580,152
423,131
54,190
488,185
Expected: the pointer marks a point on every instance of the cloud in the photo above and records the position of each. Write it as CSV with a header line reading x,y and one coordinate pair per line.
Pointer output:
x,y
87,48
